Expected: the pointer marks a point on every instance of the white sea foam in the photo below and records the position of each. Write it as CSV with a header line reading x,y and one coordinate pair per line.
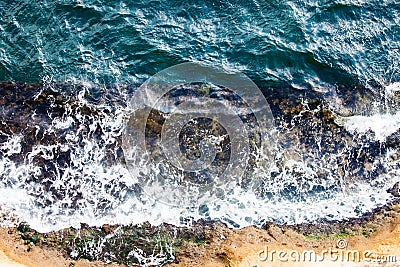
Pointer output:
x,y
240,208
392,88
382,125
97,192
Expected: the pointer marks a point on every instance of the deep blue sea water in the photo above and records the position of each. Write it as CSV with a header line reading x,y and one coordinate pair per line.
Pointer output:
x,y
300,43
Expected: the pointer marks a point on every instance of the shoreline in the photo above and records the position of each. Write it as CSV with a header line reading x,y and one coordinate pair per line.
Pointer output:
x,y
208,243
222,246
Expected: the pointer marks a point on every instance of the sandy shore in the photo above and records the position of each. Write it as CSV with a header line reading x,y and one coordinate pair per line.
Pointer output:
x,y
233,248
14,252
7,262
251,246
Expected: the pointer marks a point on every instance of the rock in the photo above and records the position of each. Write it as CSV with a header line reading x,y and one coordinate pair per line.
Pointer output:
x,y
395,190
106,229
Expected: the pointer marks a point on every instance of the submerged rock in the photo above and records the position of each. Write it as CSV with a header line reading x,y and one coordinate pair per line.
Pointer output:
x,y
65,148
395,190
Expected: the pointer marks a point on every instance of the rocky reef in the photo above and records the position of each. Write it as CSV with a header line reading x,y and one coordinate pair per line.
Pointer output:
x,y
53,126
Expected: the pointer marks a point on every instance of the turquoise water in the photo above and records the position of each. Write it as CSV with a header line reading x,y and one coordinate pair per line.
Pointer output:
x,y
276,43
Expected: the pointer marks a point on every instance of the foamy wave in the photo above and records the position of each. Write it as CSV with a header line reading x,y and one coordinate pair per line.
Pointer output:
x,y
382,125
77,175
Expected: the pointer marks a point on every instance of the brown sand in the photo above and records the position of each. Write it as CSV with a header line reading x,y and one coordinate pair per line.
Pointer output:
x,y
242,248
13,252
229,247
7,262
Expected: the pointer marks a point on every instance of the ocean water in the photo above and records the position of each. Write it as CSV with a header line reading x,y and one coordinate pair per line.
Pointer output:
x,y
65,166
299,43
